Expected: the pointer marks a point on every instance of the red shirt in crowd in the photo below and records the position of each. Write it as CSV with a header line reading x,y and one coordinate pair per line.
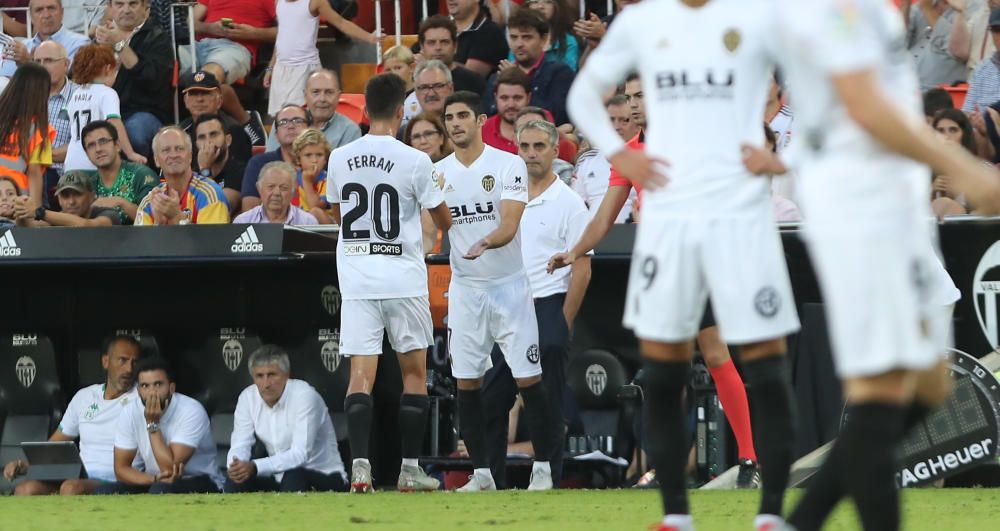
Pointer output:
x,y
256,13
493,137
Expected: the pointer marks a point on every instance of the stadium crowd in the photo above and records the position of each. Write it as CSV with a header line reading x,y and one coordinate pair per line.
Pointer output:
x,y
89,140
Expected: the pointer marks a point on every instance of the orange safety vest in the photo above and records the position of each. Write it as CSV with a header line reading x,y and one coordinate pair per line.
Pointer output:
x,y
15,165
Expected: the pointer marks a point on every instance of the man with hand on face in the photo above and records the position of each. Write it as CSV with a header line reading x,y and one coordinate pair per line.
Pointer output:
x,y
91,417
171,433
182,198
202,96
290,418
215,160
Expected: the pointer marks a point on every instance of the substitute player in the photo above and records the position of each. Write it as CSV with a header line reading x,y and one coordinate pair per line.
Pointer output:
x,y
378,187
706,70
489,299
861,153
728,382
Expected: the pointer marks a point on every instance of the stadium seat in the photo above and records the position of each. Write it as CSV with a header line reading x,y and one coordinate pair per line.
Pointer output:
x,y
215,373
88,360
957,91
406,40
257,150
354,76
353,107
317,360
596,377
31,399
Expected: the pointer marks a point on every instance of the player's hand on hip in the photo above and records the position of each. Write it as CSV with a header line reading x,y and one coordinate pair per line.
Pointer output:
x,y
559,261
640,168
477,249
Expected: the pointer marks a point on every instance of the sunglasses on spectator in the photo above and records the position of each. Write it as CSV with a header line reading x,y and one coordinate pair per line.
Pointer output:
x,y
285,122
424,136
435,87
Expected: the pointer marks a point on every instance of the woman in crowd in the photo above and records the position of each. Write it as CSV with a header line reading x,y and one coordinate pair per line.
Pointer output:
x,y
426,133
94,71
311,151
400,61
9,192
27,137
955,126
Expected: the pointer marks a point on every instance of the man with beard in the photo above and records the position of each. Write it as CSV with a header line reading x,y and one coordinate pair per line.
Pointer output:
x,y
202,95
90,417
75,193
171,433
215,162
119,184
512,93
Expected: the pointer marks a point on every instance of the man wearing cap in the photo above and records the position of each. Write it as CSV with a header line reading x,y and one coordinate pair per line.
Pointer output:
x,y
984,86
76,196
202,95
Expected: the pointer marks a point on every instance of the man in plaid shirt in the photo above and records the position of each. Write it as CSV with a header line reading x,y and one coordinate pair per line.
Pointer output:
x,y
53,57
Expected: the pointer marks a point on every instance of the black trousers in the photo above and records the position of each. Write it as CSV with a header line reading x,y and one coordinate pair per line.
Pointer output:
x,y
294,480
189,485
500,390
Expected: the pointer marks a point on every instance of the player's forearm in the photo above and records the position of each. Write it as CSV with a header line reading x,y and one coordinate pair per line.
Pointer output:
x,y
578,281
501,236
601,223
585,105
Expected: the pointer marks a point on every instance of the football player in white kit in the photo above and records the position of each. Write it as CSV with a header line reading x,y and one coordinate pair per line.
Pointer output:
x,y
378,188
489,299
706,69
862,151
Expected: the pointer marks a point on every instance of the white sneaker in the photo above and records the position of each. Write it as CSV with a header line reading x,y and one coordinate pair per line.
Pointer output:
x,y
769,522
478,484
361,478
540,480
413,479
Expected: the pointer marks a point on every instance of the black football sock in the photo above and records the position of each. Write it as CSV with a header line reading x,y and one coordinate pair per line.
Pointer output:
x,y
773,411
823,494
538,415
472,419
359,423
412,423
914,414
869,442
667,435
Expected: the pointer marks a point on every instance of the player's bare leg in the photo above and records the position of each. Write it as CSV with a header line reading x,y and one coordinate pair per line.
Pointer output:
x,y
766,370
667,366
413,406
733,397
358,406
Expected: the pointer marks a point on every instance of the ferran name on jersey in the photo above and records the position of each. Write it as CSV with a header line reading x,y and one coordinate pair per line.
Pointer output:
x,y
368,248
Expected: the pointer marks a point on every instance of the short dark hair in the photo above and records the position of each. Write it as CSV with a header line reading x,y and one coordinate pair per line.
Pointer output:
x,y
513,76
99,124
435,22
120,338
936,99
616,100
467,97
528,19
384,95
208,117
153,363
531,109
633,76
771,137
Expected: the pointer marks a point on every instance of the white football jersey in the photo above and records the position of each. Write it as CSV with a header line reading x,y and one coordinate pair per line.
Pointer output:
x,y
381,185
88,103
474,194
590,181
705,74
828,37
94,420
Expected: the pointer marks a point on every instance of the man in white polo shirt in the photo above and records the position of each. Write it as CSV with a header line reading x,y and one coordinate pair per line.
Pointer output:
x,y
292,421
553,220
171,433
91,416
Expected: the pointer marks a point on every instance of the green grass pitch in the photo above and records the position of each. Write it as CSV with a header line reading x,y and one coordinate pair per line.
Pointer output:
x,y
924,509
